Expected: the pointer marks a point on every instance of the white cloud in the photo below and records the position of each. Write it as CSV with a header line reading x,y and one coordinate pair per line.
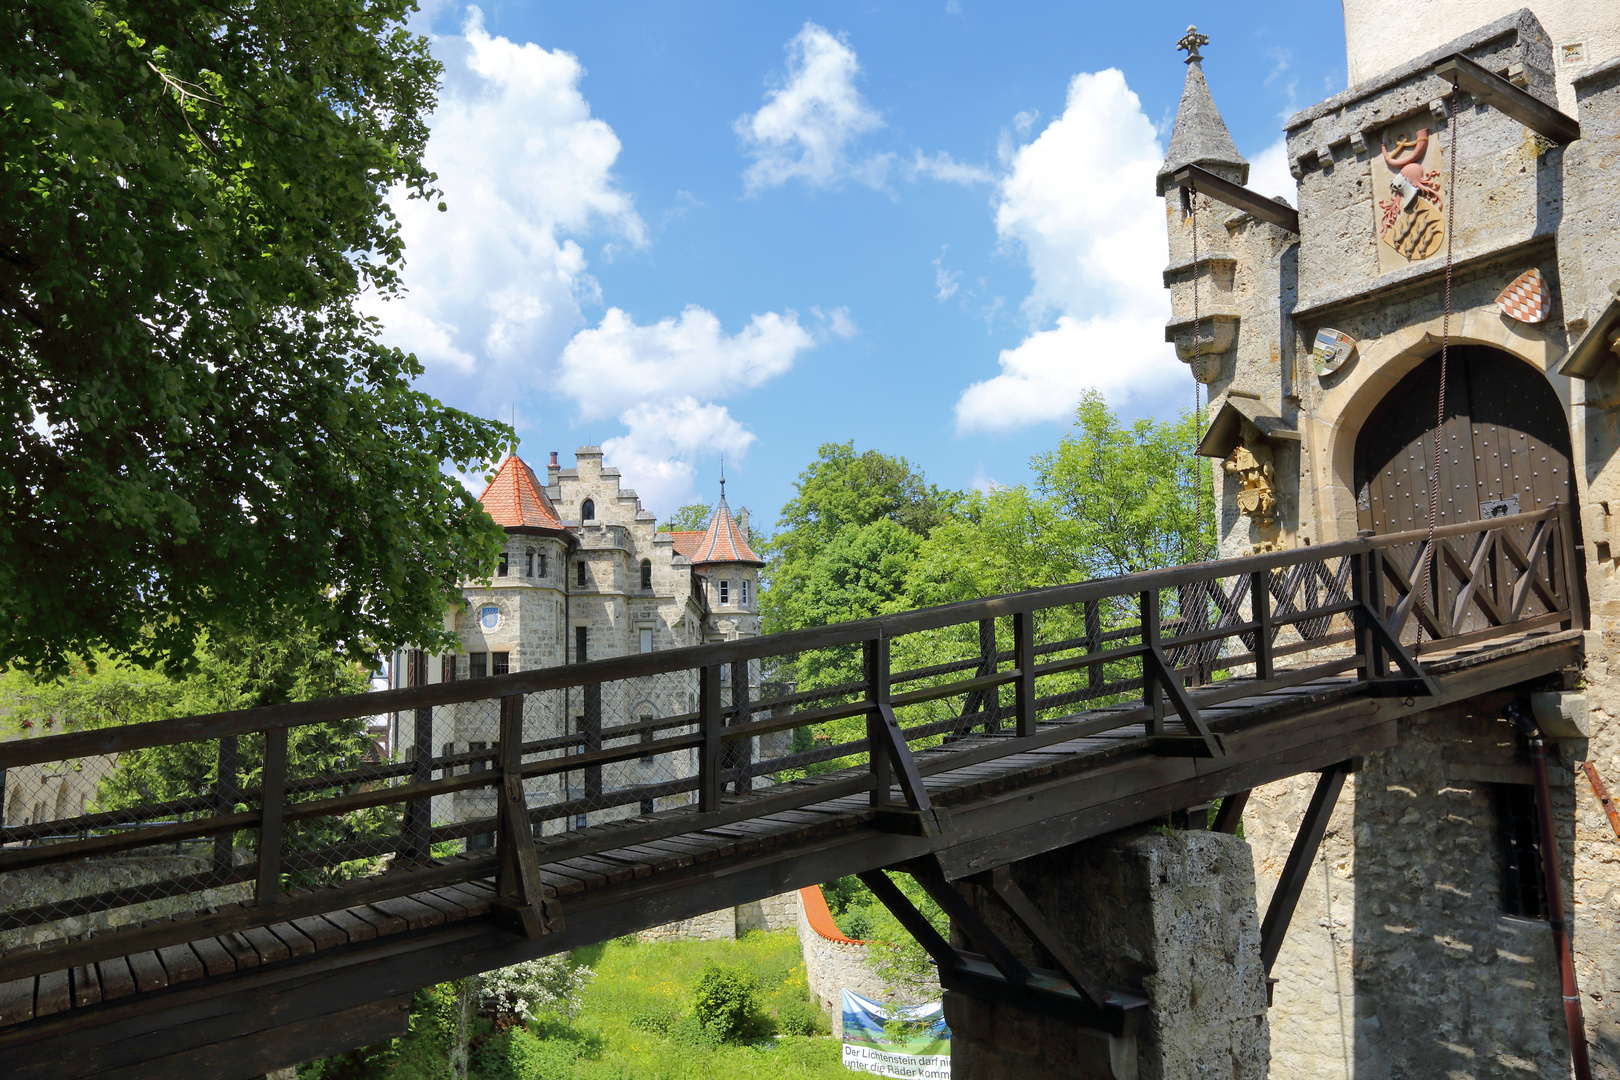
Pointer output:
x,y
665,442
618,363
807,127
1269,175
946,282
835,323
497,280
946,168
1079,201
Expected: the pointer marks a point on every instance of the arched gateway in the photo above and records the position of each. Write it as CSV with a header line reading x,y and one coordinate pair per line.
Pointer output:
x,y
1504,449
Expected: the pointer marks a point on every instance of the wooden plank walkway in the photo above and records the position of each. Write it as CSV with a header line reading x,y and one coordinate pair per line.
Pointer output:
x,y
582,881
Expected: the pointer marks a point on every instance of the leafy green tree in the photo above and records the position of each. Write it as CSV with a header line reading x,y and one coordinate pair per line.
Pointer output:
x,y
1130,492
231,672
689,518
197,421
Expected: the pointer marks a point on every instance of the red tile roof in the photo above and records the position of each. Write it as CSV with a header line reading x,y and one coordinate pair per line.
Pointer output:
x,y
517,500
687,542
723,541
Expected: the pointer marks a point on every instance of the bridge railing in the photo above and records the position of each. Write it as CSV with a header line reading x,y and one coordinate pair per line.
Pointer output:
x,y
178,829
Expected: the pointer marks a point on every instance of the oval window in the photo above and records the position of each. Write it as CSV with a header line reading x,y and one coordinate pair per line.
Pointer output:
x,y
489,617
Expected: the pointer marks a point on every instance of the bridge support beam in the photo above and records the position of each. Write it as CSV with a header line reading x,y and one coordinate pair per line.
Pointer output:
x,y
1170,913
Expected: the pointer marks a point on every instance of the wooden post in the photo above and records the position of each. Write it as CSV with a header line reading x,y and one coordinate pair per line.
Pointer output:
x,y
1366,644
273,790
875,653
1151,695
1260,604
1094,643
709,723
742,754
1573,591
419,812
1375,600
593,738
1024,658
225,793
987,701
521,897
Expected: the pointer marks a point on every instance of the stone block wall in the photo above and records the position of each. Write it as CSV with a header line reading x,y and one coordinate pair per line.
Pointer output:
x,y
778,912
1399,961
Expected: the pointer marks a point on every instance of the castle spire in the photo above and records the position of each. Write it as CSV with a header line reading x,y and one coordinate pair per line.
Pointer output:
x,y
1200,136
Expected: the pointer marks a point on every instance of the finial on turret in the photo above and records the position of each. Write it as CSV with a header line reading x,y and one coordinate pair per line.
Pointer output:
x,y
1190,42
722,477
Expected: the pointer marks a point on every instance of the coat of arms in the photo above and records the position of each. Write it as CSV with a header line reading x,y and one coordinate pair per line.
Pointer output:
x,y
1527,298
1331,351
1406,190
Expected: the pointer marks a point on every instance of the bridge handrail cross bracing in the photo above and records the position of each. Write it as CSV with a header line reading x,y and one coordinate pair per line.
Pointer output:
x,y
596,773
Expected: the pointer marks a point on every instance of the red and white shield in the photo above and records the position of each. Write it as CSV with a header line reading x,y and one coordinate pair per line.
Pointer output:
x,y
1528,299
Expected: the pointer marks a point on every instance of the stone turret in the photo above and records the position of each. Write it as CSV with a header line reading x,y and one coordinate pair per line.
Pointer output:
x,y
1200,138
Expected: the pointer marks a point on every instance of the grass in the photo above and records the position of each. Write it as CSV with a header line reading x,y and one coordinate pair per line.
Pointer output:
x,y
635,1025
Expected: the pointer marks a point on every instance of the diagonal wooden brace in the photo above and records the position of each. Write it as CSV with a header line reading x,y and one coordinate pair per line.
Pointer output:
x,y
1417,682
915,922
967,920
1280,911
1028,916
905,771
524,904
1202,742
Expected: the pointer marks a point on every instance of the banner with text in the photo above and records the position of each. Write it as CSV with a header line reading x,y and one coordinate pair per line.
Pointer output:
x,y
912,1043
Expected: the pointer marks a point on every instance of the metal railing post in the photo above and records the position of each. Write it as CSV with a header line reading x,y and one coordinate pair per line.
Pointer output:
x,y
709,722
273,796
1152,695
875,657
1024,659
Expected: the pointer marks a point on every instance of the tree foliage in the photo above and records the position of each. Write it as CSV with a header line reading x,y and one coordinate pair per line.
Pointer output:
x,y
689,518
197,421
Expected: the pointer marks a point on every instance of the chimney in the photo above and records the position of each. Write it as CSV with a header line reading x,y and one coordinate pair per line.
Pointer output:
x,y
552,469
742,523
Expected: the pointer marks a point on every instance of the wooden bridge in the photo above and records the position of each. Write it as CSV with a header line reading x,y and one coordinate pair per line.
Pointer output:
x,y
261,914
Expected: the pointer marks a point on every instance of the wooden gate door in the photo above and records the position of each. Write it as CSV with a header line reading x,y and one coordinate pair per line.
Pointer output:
x,y
1504,449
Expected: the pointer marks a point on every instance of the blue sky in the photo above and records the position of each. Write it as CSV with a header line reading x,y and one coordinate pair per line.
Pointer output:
x,y
686,230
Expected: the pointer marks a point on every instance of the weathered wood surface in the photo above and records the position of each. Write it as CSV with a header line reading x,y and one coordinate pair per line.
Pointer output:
x,y
156,1008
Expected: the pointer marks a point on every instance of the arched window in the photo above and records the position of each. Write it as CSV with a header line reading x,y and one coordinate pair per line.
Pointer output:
x,y
646,573
587,511
528,562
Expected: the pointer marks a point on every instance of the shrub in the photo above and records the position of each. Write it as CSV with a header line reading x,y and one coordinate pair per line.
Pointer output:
x,y
796,1016
523,991
726,1000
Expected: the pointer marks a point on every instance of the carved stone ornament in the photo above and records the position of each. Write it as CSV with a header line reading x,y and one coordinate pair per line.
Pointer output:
x,y
1257,492
1407,181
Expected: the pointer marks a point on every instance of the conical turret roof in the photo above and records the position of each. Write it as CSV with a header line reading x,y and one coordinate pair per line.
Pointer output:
x,y
723,542
1200,136
517,500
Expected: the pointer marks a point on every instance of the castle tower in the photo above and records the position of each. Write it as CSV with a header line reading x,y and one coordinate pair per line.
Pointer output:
x,y
730,572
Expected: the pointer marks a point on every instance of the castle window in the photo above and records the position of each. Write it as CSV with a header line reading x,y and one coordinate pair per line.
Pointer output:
x,y
742,592
528,563
447,668
581,639
542,565
646,573
587,511
581,573
501,663
500,571
725,592
646,641
1519,836
477,665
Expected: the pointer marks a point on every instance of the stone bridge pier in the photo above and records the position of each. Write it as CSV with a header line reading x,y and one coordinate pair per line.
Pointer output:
x,y
1166,913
